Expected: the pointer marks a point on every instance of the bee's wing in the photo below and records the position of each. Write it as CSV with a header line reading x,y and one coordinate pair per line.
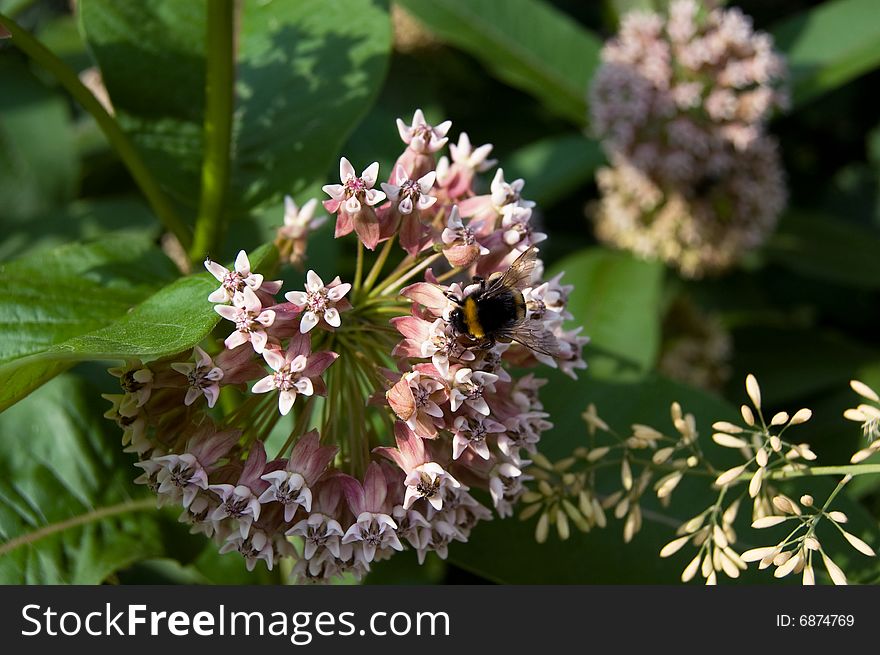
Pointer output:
x,y
535,337
518,276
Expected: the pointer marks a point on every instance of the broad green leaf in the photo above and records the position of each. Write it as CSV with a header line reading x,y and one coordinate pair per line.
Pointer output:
x,y
827,247
81,220
526,43
52,296
616,298
306,73
555,166
170,321
829,45
69,512
38,164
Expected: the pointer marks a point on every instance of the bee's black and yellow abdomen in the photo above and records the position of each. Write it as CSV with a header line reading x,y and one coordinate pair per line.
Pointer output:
x,y
483,317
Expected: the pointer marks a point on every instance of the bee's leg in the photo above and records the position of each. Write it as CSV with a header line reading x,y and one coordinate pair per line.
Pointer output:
x,y
478,279
451,296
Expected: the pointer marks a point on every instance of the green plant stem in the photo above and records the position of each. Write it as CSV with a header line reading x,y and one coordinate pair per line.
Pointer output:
x,y
127,507
359,267
850,469
126,150
219,105
379,263
395,284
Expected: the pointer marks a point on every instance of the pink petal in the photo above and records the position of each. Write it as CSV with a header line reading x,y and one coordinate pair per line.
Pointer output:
x,y
429,295
264,385
371,174
285,402
235,339
242,263
375,488
216,270
318,363
346,170
313,281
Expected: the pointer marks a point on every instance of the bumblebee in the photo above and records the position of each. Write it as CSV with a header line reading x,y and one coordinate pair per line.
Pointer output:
x,y
496,311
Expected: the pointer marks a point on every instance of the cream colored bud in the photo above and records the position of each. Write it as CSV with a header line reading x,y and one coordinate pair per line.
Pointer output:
x,y
724,426
864,390
747,415
674,546
542,528
754,390
728,441
780,418
801,416
597,453
768,522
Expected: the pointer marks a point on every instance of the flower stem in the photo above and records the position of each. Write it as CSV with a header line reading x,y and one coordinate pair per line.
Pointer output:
x,y
359,267
219,104
126,150
129,506
395,284
850,469
379,263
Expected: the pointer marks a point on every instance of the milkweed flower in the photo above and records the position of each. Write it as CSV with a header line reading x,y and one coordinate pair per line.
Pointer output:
x,y
393,416
681,104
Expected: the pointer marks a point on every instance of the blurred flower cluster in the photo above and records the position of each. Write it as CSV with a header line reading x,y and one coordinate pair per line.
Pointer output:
x,y
681,103
568,491
395,413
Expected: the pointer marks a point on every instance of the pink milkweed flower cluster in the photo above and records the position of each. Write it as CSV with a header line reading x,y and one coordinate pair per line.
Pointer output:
x,y
681,102
392,429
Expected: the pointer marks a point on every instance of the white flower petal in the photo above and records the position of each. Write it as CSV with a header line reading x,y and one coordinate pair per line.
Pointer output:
x,y
331,316
309,320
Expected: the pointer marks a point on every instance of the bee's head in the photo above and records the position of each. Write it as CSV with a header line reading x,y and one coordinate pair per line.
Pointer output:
x,y
456,318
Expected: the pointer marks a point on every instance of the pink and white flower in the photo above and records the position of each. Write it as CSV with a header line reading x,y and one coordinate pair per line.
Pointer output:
x,y
234,282
353,201
472,433
467,388
319,301
424,478
239,503
250,319
421,137
202,377
292,486
373,529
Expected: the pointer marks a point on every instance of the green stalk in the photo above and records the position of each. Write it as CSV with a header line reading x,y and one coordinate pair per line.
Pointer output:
x,y
850,469
126,150
379,263
219,106
99,514
359,268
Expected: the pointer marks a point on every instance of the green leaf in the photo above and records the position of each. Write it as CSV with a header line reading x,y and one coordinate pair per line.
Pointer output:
x,y
170,321
70,513
827,247
81,220
555,166
829,45
617,299
38,164
306,73
526,43
52,296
